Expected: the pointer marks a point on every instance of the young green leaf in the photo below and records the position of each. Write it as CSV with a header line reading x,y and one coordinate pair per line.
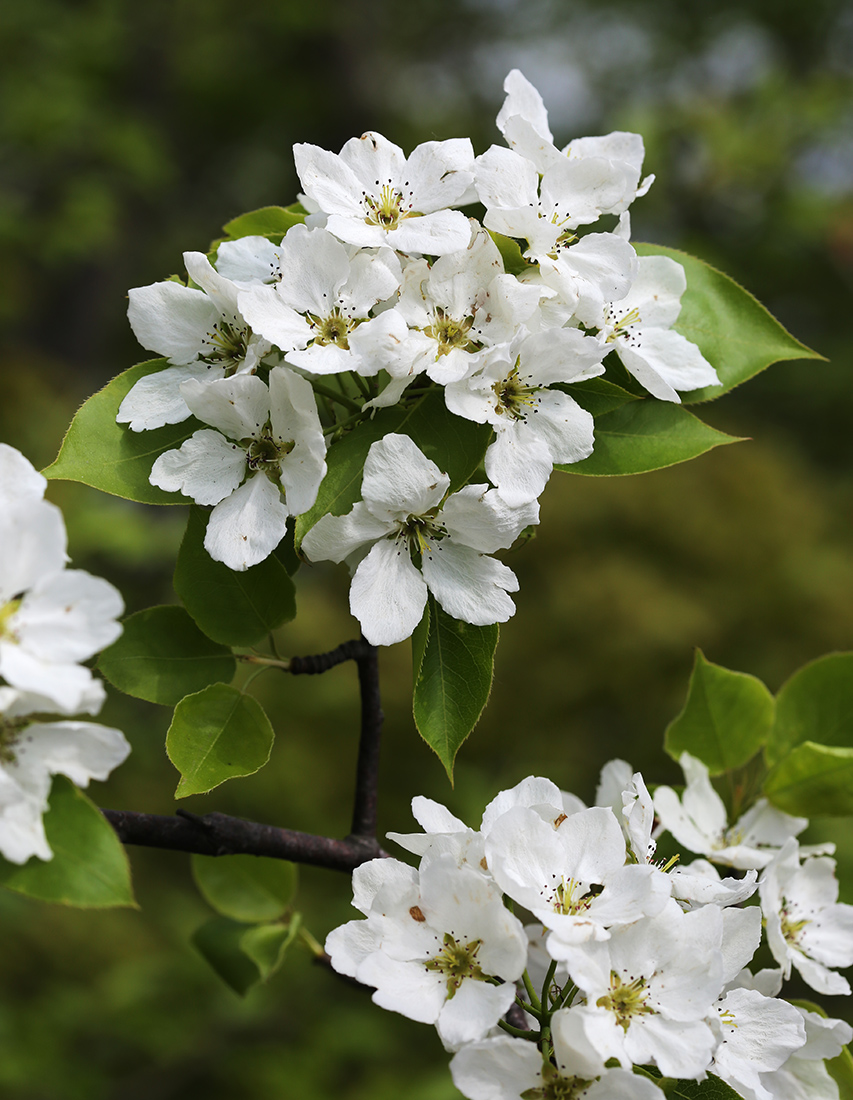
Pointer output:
x,y
452,664
598,396
109,456
646,435
510,250
813,781
217,734
162,656
243,955
246,888
726,718
734,332
268,221
456,445
815,704
89,868
234,608
712,1088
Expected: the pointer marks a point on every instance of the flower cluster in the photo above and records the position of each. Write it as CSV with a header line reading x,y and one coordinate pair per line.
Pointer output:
x,y
626,970
51,619
387,286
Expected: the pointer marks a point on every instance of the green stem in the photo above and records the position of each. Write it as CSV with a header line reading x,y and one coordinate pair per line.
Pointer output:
x,y
361,383
518,1032
267,662
344,423
333,395
537,1012
549,977
313,946
531,992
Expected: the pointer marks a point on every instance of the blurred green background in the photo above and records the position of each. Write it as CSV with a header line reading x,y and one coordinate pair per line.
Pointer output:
x,y
129,133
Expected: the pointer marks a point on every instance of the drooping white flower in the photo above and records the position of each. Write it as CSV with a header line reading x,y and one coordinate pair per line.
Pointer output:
x,y
806,925
588,271
430,944
625,792
699,821
51,618
201,332
31,752
639,329
536,425
417,544
319,308
374,195
502,1068
523,120
268,435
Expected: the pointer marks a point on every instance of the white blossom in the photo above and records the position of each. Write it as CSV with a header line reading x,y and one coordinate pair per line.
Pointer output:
x,y
536,425
806,925
431,941
699,820
419,544
374,195
269,435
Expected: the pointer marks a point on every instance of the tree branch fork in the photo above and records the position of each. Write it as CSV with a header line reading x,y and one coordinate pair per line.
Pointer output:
x,y
217,834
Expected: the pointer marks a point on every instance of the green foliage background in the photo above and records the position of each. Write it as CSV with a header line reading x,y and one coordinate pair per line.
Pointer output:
x,y
131,132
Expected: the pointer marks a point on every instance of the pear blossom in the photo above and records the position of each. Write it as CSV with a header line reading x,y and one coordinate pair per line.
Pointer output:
x,y
201,332
806,925
51,618
625,792
649,989
523,120
502,1068
804,1075
571,874
268,435
536,425
699,821
639,329
408,543
432,941
317,308
587,271
374,195
31,752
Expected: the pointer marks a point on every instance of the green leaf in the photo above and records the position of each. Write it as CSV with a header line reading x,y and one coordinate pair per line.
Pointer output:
x,y
453,663
268,221
109,456
734,332
813,781
162,656
841,1071
598,396
510,250
712,1088
89,868
243,955
244,887
234,608
646,435
217,734
456,446
725,721
816,704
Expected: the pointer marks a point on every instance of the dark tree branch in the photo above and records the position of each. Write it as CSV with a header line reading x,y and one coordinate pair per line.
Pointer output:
x,y
218,834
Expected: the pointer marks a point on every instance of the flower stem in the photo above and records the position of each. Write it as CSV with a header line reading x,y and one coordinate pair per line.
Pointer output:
x,y
333,395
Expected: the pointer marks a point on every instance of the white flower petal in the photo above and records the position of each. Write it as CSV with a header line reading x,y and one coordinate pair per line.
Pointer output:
x,y
469,585
206,467
388,594
171,319
246,527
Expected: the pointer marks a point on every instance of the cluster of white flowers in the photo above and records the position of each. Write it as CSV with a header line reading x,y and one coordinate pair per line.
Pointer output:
x,y
626,970
51,619
389,287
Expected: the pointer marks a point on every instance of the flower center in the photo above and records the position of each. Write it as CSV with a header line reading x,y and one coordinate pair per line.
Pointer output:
x,y
449,333
626,999
227,346
10,731
515,398
564,899
791,928
333,329
265,454
420,532
7,613
619,325
557,1087
457,961
386,209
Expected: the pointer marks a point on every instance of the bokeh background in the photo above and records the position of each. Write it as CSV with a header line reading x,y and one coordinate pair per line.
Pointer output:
x,y
129,133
